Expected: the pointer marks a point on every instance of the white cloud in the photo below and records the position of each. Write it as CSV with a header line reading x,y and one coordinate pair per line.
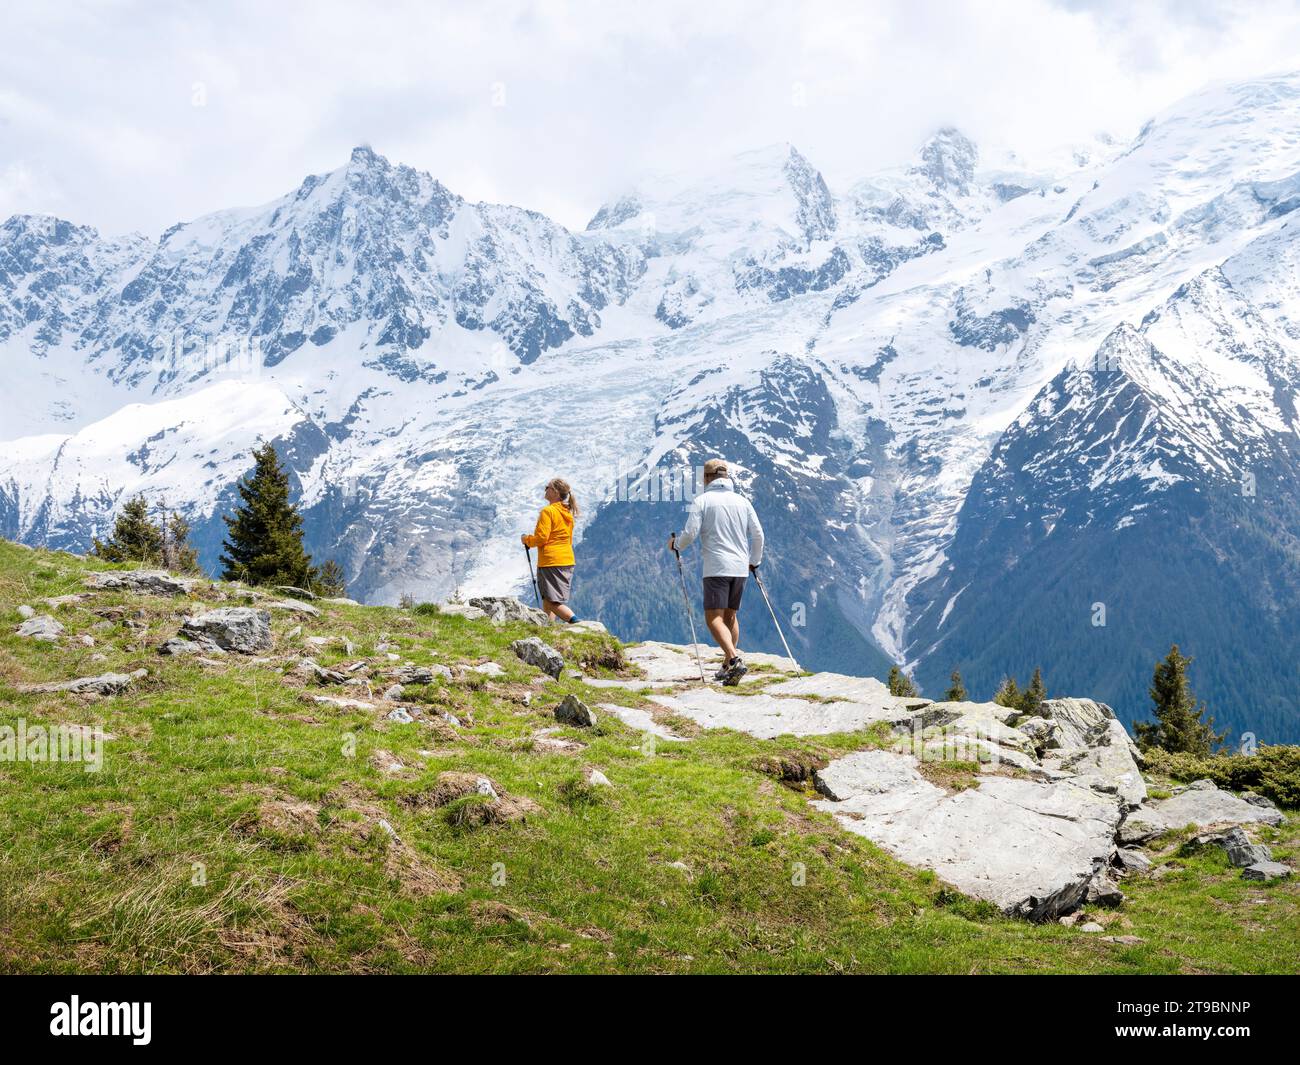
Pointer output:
x,y
98,100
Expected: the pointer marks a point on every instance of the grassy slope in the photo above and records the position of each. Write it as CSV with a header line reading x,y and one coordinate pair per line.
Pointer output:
x,y
229,767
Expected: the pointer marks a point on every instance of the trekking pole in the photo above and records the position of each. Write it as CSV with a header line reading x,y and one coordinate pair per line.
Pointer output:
x,y
689,615
533,575
754,571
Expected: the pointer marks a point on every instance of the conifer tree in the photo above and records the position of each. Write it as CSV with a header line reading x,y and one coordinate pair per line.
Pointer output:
x,y
900,683
264,540
1180,723
177,554
329,582
956,692
1008,693
1032,698
134,538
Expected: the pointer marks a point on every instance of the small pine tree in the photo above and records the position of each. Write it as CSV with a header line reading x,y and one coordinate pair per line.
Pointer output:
x,y
264,541
328,581
900,683
1008,693
956,692
178,555
134,539
1180,725
1033,697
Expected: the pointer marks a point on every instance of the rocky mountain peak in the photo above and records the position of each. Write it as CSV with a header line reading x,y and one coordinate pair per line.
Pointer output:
x,y
948,159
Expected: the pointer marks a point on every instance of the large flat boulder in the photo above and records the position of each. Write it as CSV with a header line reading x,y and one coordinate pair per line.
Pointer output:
x,y
146,581
1201,804
1029,847
767,716
670,663
242,629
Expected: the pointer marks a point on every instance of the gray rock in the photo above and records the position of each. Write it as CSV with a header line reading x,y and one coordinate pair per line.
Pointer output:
x,y
105,684
1081,720
422,674
1200,804
1240,850
539,654
1091,926
309,667
1128,860
598,779
401,715
1044,733
588,626
488,669
1029,847
289,589
178,645
147,581
767,716
293,606
1102,890
1258,800
41,627
461,610
394,693
1266,871
242,629
503,608
1105,763
26,612
573,711
342,704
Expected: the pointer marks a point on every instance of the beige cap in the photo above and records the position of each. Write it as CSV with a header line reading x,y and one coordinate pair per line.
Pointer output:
x,y
715,468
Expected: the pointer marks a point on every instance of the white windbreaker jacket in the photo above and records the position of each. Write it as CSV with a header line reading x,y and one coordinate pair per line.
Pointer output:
x,y
730,536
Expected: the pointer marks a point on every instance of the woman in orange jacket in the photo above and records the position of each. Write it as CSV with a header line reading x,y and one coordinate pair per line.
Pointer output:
x,y
553,538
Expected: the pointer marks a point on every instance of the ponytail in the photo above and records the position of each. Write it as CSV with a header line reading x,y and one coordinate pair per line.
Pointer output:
x,y
562,489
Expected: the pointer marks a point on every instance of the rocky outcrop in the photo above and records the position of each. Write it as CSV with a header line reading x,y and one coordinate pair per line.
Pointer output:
x,y
1042,820
502,608
243,630
1201,804
1029,847
147,581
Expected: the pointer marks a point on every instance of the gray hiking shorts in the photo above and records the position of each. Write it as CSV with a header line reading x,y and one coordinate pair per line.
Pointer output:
x,y
723,593
553,582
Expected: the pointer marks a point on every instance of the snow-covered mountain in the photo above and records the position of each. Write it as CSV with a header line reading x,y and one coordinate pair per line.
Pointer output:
x,y
972,398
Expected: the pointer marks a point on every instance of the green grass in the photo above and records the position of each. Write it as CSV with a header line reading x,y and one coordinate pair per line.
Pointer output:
x,y
236,827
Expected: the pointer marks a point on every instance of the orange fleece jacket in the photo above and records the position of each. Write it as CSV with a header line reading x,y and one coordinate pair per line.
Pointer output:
x,y
553,535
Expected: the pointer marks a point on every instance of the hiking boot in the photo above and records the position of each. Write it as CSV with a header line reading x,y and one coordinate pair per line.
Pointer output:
x,y
722,670
732,674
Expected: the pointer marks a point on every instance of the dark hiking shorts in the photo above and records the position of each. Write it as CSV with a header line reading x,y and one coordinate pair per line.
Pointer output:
x,y
553,582
723,593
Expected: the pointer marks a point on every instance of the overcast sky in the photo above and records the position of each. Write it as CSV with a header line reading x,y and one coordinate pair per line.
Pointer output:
x,y
133,116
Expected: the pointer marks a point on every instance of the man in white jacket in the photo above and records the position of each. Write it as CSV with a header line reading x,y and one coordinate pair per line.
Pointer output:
x,y
731,540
